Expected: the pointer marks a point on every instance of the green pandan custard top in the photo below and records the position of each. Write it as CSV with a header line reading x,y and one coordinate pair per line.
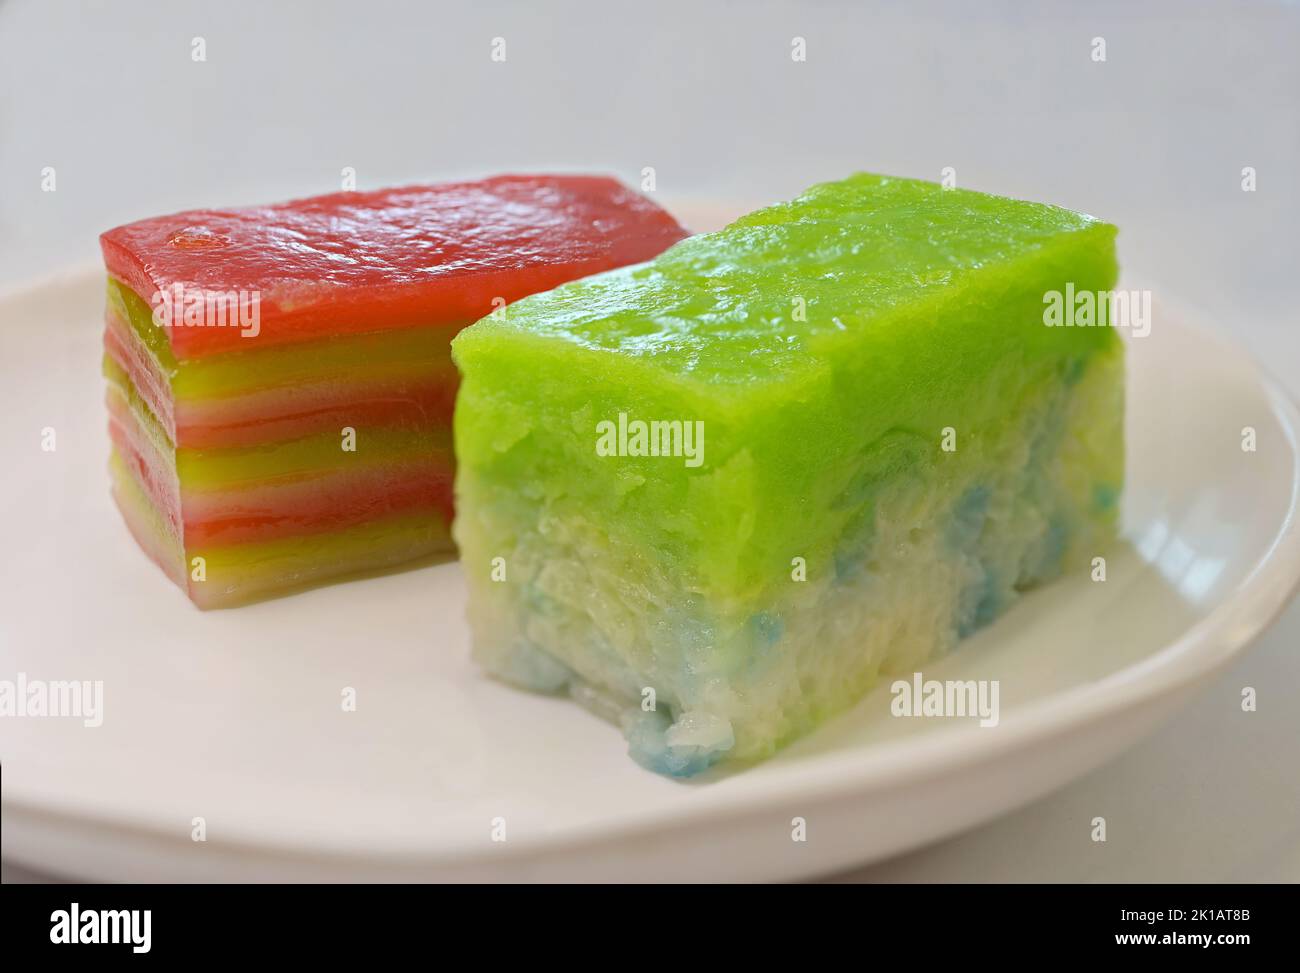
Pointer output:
x,y
785,289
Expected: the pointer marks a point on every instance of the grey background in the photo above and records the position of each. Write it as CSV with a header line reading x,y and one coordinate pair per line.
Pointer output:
x,y
1153,139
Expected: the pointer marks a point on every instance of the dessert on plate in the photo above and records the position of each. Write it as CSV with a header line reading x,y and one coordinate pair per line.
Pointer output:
x,y
717,495
280,386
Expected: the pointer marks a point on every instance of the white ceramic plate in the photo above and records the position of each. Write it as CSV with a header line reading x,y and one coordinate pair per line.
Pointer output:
x,y
235,717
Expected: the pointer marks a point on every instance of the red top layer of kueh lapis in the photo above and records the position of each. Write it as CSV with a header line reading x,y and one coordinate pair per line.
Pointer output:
x,y
369,261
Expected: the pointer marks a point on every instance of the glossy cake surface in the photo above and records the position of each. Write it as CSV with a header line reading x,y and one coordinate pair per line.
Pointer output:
x,y
860,443
300,431
388,258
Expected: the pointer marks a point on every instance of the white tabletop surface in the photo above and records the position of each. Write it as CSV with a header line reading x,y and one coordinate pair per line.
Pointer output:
x,y
1154,138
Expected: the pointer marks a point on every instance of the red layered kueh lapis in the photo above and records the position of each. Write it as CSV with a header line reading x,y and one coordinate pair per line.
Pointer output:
x,y
280,386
